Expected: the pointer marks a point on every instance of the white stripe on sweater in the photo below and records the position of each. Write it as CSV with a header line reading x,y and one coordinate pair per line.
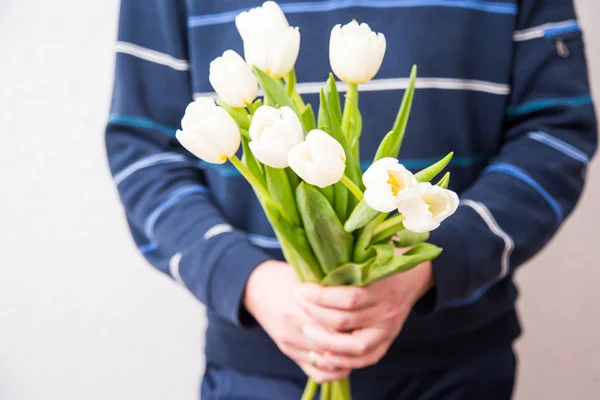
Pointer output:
x,y
399,84
539,31
174,268
490,221
152,56
217,230
156,159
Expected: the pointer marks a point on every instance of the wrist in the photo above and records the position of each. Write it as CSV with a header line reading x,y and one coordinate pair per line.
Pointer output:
x,y
255,283
425,281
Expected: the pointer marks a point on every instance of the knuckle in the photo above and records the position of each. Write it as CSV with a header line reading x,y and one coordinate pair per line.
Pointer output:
x,y
342,322
353,299
361,348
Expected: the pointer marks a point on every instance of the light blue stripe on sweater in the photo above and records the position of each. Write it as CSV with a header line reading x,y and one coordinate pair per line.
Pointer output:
x,y
552,32
172,199
332,5
140,122
537,105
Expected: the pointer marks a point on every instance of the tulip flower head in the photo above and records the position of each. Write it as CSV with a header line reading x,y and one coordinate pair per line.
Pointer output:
x,y
273,133
233,80
356,52
320,160
209,132
426,206
270,43
383,181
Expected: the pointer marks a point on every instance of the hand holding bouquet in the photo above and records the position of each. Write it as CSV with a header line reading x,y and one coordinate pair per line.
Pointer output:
x,y
333,222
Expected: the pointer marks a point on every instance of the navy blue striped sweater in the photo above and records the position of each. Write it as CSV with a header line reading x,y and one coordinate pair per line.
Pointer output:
x,y
502,83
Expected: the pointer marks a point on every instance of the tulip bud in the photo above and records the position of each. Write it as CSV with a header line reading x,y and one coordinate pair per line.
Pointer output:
x,y
426,206
383,181
319,160
274,132
269,42
356,52
233,80
209,132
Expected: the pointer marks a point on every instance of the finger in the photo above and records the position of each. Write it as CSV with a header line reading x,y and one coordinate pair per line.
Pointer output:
x,y
342,320
337,297
356,343
309,357
321,376
349,362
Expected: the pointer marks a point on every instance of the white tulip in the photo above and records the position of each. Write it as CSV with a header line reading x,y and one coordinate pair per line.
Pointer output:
x,y
265,19
209,132
270,43
320,160
356,52
233,81
273,133
426,206
384,180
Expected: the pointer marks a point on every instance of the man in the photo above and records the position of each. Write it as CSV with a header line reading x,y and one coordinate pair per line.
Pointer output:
x,y
503,84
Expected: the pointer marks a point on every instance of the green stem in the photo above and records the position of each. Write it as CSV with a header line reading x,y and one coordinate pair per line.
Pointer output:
x,y
256,184
325,391
395,222
352,187
245,133
349,104
310,390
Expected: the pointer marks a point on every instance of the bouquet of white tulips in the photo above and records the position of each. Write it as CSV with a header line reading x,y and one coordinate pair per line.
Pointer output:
x,y
333,222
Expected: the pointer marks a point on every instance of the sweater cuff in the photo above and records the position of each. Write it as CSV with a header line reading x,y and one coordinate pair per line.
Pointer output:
x,y
451,270
228,282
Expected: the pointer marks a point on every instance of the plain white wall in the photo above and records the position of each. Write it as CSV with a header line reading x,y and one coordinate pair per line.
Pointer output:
x,y
82,316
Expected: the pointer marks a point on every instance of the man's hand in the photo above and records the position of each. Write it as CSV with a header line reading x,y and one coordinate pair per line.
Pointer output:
x,y
357,325
269,297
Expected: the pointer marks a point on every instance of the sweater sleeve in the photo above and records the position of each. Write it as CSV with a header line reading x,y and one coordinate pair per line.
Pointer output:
x,y
536,179
168,206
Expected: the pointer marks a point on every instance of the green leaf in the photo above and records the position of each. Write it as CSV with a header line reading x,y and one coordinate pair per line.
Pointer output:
x,y
384,253
290,81
360,216
296,237
355,132
333,97
308,118
427,174
239,115
293,179
340,201
350,108
388,228
329,124
445,181
392,142
347,274
274,90
402,263
281,192
328,192
324,231
250,161
408,238
255,106
362,248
